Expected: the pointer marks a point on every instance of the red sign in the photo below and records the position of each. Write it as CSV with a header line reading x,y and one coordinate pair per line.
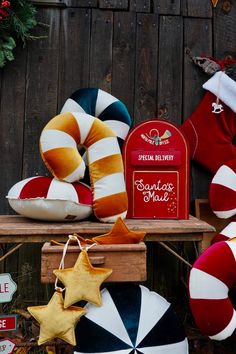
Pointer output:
x,y
156,161
8,323
157,192
164,158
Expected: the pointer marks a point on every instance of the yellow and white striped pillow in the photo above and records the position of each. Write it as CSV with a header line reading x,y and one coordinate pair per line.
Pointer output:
x,y
58,146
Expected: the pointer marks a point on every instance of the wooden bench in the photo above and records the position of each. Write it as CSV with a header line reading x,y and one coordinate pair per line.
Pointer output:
x,y
18,229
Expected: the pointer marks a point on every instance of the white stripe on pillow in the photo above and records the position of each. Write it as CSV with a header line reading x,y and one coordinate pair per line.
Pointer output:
x,y
229,230
56,191
208,282
232,245
225,214
225,176
52,139
71,106
105,186
77,174
104,99
103,148
85,122
119,128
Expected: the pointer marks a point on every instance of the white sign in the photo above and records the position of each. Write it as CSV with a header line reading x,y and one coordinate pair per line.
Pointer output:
x,y
7,287
6,346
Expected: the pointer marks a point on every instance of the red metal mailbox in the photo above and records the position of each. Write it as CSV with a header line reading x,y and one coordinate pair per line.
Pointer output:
x,y
156,159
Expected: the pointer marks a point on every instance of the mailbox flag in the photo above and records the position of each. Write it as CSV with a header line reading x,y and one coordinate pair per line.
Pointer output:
x,y
131,320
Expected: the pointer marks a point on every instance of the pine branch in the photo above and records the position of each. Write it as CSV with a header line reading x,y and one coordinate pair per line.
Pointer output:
x,y
17,19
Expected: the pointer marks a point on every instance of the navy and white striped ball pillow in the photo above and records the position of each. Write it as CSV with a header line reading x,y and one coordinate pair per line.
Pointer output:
x,y
132,319
104,106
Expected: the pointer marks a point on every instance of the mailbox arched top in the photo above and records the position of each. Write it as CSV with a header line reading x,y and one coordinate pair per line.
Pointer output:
x,y
156,134
156,159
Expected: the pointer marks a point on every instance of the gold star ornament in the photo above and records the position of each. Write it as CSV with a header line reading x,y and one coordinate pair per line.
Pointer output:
x,y
56,321
83,281
120,234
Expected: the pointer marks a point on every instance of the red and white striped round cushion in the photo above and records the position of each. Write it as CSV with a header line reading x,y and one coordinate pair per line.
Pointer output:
x,y
222,193
45,198
227,233
211,277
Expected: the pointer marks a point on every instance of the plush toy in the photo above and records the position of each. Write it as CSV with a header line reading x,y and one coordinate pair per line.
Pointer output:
x,y
46,198
227,233
211,277
222,198
211,128
131,320
58,146
102,105
119,234
83,281
222,193
56,321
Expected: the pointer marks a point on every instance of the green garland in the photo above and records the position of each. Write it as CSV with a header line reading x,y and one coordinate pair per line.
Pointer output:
x,y
17,18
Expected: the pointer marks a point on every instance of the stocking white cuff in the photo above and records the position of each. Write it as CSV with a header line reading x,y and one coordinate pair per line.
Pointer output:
x,y
223,87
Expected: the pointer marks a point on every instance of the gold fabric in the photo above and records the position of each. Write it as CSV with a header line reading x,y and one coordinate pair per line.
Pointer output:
x,y
66,123
98,131
119,234
83,281
56,321
114,204
106,166
62,161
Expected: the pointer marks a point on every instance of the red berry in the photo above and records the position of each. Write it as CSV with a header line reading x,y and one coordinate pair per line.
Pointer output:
x,y
6,3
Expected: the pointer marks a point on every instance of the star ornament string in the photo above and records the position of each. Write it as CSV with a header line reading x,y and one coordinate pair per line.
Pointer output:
x,y
62,262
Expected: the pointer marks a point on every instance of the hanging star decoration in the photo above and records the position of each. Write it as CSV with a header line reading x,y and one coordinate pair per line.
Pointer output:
x,y
56,321
119,234
58,318
83,281
214,2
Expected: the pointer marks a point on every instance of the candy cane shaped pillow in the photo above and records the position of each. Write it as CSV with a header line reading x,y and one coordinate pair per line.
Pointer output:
x,y
102,105
212,276
58,146
222,192
227,233
45,198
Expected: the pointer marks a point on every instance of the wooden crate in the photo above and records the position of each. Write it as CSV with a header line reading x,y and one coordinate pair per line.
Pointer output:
x,y
128,261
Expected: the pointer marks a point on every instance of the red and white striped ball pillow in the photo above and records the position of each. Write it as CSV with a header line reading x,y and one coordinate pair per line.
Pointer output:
x,y
45,198
222,193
